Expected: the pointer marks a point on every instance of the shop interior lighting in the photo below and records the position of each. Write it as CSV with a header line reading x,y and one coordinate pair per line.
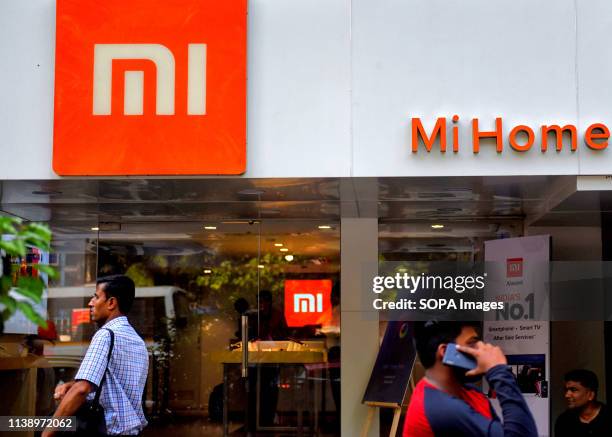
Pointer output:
x,y
278,244
95,228
437,226
325,227
289,257
284,249
210,228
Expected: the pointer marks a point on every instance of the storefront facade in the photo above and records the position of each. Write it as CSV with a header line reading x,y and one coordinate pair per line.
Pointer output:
x,y
348,107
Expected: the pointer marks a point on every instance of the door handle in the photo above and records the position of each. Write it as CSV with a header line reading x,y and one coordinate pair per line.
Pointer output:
x,y
245,345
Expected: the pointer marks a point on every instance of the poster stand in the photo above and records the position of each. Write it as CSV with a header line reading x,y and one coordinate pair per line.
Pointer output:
x,y
372,408
392,374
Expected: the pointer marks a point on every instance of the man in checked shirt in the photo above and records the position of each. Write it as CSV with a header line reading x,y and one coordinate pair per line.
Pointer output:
x,y
122,390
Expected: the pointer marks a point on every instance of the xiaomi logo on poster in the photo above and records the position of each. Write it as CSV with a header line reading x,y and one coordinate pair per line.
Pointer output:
x,y
514,267
154,87
308,302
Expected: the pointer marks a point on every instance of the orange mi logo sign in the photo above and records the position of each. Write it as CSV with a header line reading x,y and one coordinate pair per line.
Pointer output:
x,y
105,54
150,87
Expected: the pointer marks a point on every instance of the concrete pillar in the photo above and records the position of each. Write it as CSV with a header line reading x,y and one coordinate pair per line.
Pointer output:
x,y
359,330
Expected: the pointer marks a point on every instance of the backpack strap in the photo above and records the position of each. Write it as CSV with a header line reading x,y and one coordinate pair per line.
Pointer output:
x,y
110,351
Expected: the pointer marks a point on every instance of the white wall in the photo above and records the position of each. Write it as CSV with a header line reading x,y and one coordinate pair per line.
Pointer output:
x,y
435,58
333,83
27,38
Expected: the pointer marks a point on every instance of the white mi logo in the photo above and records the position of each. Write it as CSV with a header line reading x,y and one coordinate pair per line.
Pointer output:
x,y
308,303
163,59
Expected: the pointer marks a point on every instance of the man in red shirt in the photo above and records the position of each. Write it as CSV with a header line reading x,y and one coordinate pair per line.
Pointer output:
x,y
443,404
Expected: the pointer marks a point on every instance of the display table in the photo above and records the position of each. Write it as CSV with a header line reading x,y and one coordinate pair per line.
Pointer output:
x,y
301,361
20,363
271,357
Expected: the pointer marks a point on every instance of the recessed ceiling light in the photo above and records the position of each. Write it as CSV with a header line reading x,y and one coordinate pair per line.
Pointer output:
x,y
284,249
207,271
437,226
325,227
210,228
289,258
260,266
278,244
251,192
95,228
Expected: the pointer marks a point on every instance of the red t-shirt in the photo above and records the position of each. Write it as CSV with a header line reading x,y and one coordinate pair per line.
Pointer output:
x,y
429,405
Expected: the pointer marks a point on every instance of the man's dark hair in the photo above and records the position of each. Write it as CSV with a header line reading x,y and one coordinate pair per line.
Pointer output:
x,y
241,305
265,295
585,377
121,288
429,335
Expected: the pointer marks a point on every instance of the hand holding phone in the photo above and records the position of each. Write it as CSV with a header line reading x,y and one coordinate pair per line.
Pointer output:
x,y
486,355
455,358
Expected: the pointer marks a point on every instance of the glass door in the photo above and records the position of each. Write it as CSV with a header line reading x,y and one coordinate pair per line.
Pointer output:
x,y
194,282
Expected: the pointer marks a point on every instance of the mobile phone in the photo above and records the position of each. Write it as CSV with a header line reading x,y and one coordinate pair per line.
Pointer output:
x,y
455,358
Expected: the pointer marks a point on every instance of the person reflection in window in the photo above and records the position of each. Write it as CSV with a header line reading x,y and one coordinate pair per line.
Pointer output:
x,y
271,326
272,323
242,307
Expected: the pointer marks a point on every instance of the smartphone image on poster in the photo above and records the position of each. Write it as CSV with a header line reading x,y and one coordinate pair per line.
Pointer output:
x,y
452,357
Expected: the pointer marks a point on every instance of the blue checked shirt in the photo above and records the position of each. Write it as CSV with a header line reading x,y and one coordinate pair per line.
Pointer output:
x,y
121,395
